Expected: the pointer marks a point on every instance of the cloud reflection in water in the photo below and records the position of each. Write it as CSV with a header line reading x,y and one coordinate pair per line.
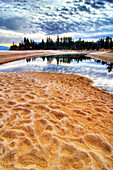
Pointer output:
x,y
100,72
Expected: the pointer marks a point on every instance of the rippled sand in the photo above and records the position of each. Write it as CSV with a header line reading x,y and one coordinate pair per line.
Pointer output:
x,y
54,121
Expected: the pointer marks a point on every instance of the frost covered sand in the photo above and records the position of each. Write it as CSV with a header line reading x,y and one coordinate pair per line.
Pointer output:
x,y
54,122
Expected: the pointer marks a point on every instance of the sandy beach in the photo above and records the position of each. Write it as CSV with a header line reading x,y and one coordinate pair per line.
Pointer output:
x,y
8,56
52,121
102,55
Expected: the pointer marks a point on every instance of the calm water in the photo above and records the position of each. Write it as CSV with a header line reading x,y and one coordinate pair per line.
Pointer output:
x,y
100,72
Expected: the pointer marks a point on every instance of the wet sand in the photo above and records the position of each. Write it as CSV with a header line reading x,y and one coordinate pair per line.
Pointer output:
x,y
54,121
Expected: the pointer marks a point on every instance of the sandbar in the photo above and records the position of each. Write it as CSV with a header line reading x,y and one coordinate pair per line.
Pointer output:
x,y
54,121
102,55
8,56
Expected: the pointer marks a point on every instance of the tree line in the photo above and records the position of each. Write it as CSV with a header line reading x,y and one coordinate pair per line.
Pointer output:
x,y
63,43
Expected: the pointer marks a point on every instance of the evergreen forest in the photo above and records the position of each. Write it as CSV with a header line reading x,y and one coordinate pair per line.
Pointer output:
x,y
63,43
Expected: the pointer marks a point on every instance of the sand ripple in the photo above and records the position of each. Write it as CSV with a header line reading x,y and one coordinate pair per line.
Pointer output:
x,y
54,121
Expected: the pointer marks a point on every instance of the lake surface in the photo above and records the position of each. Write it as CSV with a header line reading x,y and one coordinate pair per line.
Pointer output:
x,y
100,72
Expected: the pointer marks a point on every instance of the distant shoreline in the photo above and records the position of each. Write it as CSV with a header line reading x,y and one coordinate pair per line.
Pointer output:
x,y
8,56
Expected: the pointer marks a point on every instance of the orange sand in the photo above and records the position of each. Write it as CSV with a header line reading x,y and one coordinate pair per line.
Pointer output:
x,y
54,122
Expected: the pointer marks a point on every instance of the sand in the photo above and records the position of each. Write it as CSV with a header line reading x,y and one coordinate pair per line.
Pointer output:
x,y
8,56
102,55
51,121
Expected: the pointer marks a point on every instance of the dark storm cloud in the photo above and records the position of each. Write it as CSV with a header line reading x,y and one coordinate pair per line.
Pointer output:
x,y
111,1
47,14
12,23
64,9
60,27
84,8
76,1
100,3
97,6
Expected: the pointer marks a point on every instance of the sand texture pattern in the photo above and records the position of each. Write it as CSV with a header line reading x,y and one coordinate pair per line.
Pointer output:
x,y
54,121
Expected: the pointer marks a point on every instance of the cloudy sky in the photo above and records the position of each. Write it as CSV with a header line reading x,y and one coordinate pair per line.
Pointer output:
x,y
37,19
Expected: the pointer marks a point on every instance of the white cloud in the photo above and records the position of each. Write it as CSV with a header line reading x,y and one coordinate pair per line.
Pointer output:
x,y
13,36
56,17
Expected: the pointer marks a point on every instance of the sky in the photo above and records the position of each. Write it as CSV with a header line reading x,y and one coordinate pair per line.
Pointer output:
x,y
37,19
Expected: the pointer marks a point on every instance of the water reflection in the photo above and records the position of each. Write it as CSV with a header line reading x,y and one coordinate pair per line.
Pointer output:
x,y
61,58
99,71
43,58
109,66
30,59
68,59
